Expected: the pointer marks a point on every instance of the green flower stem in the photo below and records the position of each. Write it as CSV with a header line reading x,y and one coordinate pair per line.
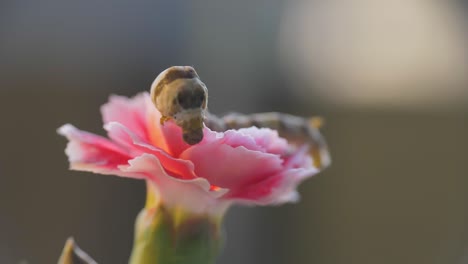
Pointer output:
x,y
165,236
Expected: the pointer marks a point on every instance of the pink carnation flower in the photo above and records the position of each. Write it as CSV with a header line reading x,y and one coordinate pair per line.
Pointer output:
x,y
250,166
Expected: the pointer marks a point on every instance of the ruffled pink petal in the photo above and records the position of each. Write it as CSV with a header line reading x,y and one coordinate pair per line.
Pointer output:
x,y
89,152
231,167
130,112
257,139
195,194
281,187
178,168
266,139
235,138
276,189
287,192
299,159
297,168
141,117
167,136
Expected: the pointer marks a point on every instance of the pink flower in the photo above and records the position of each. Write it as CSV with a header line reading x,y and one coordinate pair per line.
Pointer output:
x,y
250,166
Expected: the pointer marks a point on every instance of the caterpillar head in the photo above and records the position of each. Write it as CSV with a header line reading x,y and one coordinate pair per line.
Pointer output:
x,y
180,95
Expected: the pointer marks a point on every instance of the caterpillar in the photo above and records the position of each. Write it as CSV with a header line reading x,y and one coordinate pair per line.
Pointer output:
x,y
180,95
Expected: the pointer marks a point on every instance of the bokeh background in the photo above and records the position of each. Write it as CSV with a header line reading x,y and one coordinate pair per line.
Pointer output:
x,y
390,77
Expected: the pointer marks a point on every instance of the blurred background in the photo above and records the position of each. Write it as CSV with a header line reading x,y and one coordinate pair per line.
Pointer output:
x,y
390,77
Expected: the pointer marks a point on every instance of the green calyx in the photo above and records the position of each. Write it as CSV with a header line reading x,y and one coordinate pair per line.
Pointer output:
x,y
169,237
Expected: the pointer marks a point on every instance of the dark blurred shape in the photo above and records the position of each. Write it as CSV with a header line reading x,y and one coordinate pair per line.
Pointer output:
x,y
72,254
